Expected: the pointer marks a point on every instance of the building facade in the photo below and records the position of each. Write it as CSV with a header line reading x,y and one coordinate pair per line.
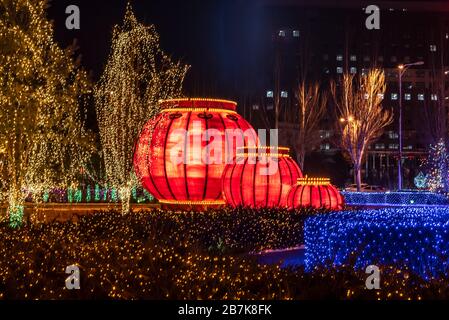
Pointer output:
x,y
321,43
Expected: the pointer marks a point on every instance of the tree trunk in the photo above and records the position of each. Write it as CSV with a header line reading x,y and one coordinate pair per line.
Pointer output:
x,y
16,204
125,196
358,178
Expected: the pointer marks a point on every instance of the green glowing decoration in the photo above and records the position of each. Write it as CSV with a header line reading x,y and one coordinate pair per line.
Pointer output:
x,y
46,196
88,194
16,216
114,197
69,195
421,180
134,193
97,192
105,193
78,196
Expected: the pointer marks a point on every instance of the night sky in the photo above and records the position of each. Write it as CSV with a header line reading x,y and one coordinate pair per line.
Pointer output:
x,y
219,39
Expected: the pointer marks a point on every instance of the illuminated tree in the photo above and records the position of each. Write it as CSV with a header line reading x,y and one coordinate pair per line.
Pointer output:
x,y
137,75
361,117
437,167
43,143
311,107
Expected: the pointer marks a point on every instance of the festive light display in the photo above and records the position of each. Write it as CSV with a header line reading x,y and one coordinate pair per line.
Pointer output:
x,y
183,258
260,177
362,119
397,198
79,195
316,193
437,167
137,75
420,180
174,158
417,238
42,140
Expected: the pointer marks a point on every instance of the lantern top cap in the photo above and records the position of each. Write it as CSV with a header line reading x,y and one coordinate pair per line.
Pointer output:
x,y
198,103
272,151
313,181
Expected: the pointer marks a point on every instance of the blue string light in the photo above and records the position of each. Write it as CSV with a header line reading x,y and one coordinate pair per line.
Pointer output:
x,y
394,198
416,238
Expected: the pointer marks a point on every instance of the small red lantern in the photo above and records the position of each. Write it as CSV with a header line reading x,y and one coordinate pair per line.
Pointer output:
x,y
260,177
181,154
316,193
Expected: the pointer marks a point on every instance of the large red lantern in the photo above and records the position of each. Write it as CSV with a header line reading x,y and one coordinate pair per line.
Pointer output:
x,y
316,193
260,177
181,154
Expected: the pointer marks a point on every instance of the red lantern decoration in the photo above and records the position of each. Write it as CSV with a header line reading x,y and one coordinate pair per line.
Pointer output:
x,y
181,154
260,177
315,192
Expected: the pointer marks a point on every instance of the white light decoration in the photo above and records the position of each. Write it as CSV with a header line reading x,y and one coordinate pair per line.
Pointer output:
x,y
42,140
138,74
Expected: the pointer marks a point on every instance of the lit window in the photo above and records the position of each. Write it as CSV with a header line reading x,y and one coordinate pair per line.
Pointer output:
x,y
284,94
255,107
393,146
339,70
393,135
394,96
269,94
421,97
364,71
339,57
380,95
281,33
433,48
409,147
379,146
353,70
434,97
296,33
353,58
325,146
408,96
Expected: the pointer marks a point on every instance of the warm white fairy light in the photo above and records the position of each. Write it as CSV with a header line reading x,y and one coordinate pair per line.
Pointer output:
x,y
138,74
42,139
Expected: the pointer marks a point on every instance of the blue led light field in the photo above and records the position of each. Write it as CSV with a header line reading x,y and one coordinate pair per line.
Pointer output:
x,y
414,237
397,198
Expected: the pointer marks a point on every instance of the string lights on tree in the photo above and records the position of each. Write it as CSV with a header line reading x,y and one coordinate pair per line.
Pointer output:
x,y
42,140
138,74
437,164
361,115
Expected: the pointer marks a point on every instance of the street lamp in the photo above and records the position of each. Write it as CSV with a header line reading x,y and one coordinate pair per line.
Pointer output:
x,y
401,70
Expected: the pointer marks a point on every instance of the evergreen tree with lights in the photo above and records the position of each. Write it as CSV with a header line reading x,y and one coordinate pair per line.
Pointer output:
x,y
42,140
437,165
137,75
